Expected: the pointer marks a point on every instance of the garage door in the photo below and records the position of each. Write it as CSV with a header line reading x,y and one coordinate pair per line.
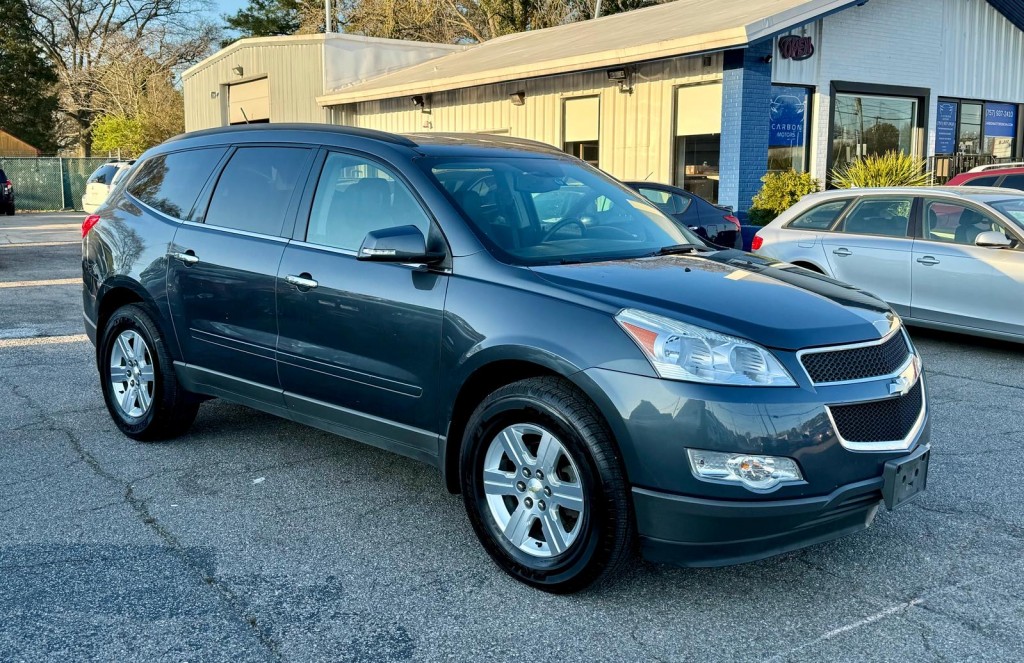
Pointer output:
x,y
249,102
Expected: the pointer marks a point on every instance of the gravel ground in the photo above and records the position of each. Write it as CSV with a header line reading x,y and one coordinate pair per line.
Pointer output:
x,y
253,538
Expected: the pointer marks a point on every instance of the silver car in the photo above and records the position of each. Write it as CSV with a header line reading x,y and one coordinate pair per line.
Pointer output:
x,y
943,257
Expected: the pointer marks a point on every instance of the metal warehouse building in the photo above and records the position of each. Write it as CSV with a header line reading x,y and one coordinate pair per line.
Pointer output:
x,y
705,95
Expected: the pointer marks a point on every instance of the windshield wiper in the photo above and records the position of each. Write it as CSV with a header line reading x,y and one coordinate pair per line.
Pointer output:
x,y
676,249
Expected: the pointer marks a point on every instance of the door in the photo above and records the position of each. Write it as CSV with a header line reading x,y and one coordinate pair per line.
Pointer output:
x,y
360,342
222,272
872,248
959,283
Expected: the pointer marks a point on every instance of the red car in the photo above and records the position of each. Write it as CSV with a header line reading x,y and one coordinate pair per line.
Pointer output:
x,y
1007,175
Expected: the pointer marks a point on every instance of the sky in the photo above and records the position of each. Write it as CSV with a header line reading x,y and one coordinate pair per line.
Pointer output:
x,y
227,6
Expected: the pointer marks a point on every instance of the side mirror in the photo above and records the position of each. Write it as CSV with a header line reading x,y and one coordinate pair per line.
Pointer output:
x,y
404,244
992,239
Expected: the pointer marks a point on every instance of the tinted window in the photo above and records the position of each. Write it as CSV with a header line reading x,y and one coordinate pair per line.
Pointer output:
x,y
955,224
1013,182
172,182
981,181
356,196
821,217
669,203
879,216
255,188
103,175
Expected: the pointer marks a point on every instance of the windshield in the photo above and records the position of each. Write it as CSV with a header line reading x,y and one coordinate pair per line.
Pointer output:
x,y
1012,207
537,210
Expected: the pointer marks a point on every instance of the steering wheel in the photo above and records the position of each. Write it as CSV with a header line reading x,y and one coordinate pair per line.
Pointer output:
x,y
562,224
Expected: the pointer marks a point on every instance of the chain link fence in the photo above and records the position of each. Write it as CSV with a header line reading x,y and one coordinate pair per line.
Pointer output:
x,y
49,183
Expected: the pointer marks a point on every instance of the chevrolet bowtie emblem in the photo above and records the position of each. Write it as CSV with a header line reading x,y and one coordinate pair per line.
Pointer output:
x,y
900,385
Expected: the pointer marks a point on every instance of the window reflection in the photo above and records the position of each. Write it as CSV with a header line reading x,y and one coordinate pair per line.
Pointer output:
x,y
865,125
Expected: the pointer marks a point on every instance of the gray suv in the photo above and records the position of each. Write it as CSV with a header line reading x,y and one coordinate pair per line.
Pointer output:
x,y
592,378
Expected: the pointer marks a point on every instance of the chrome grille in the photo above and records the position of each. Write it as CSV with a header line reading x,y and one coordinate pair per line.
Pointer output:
x,y
859,363
879,421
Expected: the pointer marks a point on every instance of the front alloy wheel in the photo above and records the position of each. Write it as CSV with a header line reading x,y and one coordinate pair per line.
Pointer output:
x,y
533,490
544,487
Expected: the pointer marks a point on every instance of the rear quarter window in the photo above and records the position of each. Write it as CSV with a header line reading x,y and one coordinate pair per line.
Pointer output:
x,y
1013,182
171,183
820,217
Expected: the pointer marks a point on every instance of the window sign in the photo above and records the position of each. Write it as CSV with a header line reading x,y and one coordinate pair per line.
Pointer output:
x,y
945,128
787,133
1000,129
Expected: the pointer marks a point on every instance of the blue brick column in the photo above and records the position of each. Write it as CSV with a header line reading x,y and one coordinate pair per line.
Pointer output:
x,y
746,95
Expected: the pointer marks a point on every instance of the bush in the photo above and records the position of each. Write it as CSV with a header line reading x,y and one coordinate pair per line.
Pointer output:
x,y
780,192
889,169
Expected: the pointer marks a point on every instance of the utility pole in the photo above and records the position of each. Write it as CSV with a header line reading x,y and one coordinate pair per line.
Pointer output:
x,y
327,16
597,9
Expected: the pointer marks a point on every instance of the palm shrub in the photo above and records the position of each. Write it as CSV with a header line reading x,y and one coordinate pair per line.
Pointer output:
x,y
889,169
780,192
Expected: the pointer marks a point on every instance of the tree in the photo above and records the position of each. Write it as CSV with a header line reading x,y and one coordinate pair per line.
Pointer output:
x,y
27,100
81,38
269,18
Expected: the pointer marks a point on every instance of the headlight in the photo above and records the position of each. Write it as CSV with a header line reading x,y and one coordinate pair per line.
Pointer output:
x,y
754,471
679,351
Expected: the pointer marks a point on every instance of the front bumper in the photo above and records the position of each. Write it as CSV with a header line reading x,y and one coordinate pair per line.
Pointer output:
x,y
691,531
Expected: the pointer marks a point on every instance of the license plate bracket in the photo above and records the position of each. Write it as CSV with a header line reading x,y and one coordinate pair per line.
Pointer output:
x,y
905,478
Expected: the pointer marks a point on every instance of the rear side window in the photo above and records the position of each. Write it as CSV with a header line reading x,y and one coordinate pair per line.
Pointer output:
x,y
171,182
888,217
1013,182
821,217
103,175
982,181
668,203
255,189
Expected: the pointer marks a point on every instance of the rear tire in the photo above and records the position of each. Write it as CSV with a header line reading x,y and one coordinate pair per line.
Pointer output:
x,y
544,487
140,387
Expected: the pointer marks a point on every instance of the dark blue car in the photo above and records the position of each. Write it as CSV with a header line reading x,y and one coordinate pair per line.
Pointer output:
x,y
714,223
592,377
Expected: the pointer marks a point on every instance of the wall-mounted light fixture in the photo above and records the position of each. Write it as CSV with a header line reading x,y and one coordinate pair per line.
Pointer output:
x,y
517,98
238,71
418,101
214,94
706,61
767,59
624,77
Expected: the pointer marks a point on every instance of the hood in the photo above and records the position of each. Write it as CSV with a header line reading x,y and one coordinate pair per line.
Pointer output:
x,y
775,304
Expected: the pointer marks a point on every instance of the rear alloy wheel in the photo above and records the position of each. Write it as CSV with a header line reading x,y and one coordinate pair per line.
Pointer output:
x,y
137,375
544,487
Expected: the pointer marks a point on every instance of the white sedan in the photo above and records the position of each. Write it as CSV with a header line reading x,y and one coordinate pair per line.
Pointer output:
x,y
943,257
99,184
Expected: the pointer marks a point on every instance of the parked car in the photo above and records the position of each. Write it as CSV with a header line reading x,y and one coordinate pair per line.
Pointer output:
x,y
715,223
99,184
943,257
6,194
1007,176
583,385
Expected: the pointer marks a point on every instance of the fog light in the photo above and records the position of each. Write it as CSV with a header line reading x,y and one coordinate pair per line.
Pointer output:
x,y
754,471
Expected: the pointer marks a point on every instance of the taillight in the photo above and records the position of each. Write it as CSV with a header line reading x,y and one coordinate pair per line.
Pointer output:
x,y
89,222
733,220
756,244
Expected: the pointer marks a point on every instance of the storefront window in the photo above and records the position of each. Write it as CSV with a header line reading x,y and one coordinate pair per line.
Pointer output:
x,y
789,116
698,139
970,128
865,125
581,128
1000,129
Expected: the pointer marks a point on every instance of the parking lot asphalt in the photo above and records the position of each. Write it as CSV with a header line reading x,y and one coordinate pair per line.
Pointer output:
x,y
253,538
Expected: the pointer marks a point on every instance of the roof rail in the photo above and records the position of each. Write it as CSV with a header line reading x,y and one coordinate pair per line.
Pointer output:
x,y
996,166
371,134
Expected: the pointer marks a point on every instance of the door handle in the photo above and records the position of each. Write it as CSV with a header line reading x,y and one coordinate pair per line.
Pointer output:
x,y
928,260
303,281
843,252
188,257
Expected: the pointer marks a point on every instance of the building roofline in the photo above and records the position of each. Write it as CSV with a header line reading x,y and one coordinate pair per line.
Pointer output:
x,y
310,39
738,36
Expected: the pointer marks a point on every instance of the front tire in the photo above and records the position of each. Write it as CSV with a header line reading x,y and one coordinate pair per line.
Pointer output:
x,y
544,487
140,387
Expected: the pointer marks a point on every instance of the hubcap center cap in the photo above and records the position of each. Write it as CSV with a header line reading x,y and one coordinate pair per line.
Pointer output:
x,y
534,486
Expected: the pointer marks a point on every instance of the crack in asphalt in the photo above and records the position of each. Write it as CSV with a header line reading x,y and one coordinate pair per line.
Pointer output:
x,y
141,509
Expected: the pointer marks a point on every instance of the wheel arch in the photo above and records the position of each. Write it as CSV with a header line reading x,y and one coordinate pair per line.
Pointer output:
x,y
500,370
807,264
120,292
